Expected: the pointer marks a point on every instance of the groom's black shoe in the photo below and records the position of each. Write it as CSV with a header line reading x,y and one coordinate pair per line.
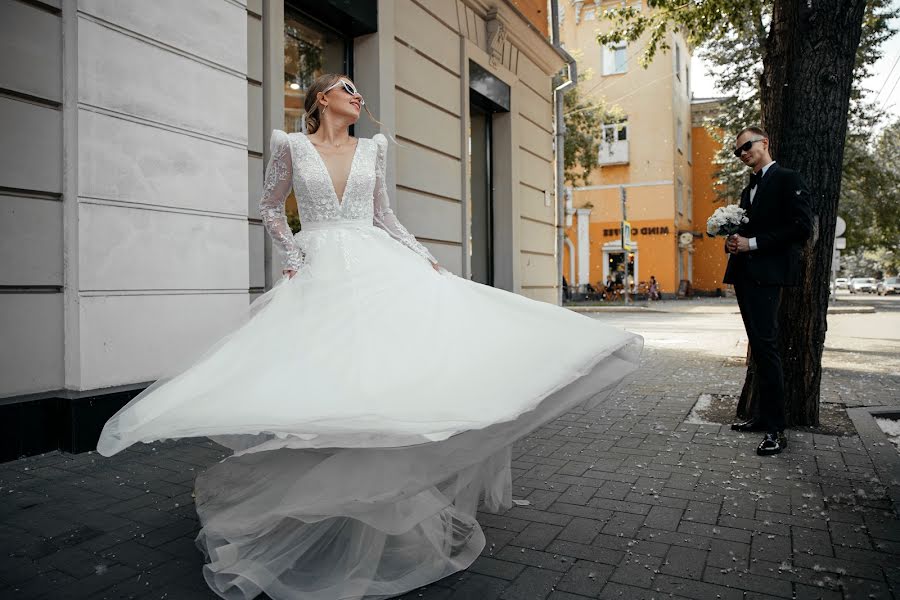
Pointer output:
x,y
772,443
752,424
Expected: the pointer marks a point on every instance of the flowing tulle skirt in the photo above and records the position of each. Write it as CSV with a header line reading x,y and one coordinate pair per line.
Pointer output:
x,y
371,404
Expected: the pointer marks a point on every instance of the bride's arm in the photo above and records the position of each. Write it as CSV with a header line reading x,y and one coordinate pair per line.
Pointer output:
x,y
384,216
276,187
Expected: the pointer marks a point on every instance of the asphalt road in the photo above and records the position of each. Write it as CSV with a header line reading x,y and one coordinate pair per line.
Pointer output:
x,y
856,342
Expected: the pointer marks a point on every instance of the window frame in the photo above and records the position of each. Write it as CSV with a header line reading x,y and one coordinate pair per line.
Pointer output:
x,y
679,196
679,134
608,58
677,61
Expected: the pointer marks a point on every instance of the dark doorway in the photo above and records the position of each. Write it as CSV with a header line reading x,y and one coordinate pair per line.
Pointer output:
x,y
488,96
482,227
620,270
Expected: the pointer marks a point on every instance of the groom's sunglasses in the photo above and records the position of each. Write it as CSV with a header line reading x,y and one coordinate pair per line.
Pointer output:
x,y
745,147
348,87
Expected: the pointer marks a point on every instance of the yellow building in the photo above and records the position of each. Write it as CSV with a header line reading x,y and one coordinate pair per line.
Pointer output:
x,y
648,155
709,253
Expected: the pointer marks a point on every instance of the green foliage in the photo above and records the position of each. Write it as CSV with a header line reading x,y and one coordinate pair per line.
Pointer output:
x,y
698,20
870,179
584,119
870,191
736,57
870,263
731,36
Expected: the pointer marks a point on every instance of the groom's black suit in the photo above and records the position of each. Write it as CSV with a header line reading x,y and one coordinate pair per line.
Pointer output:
x,y
780,220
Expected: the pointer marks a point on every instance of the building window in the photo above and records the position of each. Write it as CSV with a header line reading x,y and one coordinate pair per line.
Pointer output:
x,y
614,145
614,59
679,196
679,135
589,14
310,50
678,61
690,205
687,80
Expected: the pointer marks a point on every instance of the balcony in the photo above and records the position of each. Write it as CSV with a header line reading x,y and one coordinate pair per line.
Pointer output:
x,y
613,153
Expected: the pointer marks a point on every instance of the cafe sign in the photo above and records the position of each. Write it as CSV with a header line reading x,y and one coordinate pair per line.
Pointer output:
x,y
616,232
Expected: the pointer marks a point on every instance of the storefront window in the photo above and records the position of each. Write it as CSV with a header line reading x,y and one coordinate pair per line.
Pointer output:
x,y
310,50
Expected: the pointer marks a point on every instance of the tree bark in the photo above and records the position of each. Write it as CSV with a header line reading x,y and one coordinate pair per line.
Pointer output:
x,y
745,403
805,96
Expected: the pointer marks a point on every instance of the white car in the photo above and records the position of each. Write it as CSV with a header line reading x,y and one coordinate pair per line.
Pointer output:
x,y
862,284
890,285
842,283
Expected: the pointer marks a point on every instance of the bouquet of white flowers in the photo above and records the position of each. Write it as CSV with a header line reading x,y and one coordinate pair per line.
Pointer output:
x,y
726,220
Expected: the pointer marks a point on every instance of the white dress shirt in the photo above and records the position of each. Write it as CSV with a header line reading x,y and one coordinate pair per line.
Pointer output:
x,y
752,241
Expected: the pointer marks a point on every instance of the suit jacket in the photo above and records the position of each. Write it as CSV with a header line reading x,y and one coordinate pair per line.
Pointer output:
x,y
781,221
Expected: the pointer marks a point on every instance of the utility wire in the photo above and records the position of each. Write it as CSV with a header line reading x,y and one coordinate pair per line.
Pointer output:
x,y
886,79
887,99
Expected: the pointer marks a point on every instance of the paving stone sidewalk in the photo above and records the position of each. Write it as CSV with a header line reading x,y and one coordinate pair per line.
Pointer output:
x,y
625,501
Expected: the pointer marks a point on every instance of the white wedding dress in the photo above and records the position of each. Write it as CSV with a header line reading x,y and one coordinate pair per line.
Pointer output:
x,y
370,401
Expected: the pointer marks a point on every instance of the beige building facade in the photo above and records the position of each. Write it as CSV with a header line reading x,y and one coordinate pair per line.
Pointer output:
x,y
135,139
648,154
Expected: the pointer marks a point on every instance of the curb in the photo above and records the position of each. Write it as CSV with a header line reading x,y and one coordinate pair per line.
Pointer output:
x,y
832,310
614,309
885,457
851,310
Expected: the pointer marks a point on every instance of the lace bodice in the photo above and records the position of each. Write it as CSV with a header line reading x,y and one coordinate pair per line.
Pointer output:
x,y
295,161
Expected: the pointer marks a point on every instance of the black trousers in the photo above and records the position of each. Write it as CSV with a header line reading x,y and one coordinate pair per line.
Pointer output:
x,y
759,310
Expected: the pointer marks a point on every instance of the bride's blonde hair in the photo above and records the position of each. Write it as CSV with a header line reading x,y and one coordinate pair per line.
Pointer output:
x,y
312,113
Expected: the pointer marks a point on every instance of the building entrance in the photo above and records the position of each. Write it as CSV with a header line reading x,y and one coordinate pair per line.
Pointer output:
x,y
621,265
482,228
488,97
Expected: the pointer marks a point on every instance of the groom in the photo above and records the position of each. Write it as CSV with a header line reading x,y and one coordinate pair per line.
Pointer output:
x,y
764,258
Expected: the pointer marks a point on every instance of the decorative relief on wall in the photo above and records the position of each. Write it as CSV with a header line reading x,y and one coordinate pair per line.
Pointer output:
x,y
578,4
496,37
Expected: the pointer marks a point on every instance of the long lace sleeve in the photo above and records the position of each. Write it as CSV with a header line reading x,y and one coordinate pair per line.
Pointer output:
x,y
384,216
276,187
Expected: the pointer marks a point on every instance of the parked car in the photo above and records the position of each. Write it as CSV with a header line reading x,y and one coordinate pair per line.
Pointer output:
x,y
862,284
842,283
890,285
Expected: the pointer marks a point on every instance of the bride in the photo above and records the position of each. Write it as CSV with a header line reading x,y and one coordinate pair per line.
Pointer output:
x,y
370,398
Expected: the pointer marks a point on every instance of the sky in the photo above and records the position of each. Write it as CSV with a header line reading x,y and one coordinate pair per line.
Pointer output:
x,y
883,86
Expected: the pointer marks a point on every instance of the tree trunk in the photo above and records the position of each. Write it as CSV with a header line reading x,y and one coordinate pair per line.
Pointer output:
x,y
745,403
805,96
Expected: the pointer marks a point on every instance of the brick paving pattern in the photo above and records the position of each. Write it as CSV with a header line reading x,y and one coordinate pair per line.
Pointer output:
x,y
626,501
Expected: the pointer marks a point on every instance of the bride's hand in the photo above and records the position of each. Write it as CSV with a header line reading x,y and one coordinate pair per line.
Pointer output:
x,y
289,273
436,267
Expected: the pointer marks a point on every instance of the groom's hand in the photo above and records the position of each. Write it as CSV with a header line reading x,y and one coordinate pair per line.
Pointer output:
x,y
737,244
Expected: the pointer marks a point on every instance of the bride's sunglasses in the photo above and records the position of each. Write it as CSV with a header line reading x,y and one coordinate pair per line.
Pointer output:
x,y
348,87
745,147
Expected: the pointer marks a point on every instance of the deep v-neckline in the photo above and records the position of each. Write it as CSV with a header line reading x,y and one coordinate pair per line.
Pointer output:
x,y
338,200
